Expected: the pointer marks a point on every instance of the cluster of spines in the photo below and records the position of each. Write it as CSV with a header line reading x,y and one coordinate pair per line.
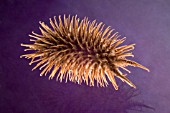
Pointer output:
x,y
83,50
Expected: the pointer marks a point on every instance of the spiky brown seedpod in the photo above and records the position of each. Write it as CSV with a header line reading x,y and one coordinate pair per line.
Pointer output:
x,y
83,50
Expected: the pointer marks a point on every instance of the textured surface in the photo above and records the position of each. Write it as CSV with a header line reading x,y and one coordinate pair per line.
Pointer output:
x,y
80,51
146,23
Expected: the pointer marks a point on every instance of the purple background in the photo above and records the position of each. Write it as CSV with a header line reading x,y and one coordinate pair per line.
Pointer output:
x,y
144,22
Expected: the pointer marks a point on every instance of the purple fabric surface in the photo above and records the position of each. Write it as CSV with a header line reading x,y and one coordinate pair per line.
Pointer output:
x,y
145,22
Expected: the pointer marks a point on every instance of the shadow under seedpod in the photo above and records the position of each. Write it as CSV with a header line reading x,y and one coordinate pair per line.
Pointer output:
x,y
74,99
85,51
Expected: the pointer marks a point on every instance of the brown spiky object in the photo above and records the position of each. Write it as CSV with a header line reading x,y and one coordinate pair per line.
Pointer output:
x,y
81,51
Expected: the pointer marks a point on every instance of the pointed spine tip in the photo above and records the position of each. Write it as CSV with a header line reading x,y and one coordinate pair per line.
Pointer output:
x,y
116,88
55,18
134,86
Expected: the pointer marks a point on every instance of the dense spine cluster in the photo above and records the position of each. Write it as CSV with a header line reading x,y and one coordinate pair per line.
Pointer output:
x,y
83,50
